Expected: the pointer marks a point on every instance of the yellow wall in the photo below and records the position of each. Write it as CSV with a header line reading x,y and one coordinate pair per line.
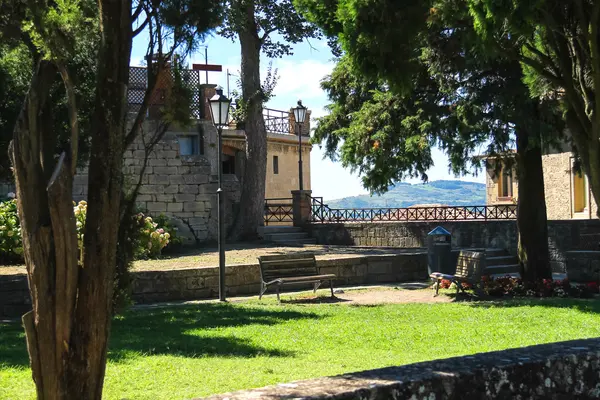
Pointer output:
x,y
280,185
558,187
493,188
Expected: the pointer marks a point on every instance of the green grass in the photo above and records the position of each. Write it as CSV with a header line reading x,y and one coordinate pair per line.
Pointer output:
x,y
184,352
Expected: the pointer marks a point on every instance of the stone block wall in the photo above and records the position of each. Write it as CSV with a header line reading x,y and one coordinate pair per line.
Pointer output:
x,y
583,266
563,370
563,236
181,187
203,283
14,296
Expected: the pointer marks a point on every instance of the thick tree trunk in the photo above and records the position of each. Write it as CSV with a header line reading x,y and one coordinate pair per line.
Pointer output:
x,y
531,213
93,314
67,331
252,199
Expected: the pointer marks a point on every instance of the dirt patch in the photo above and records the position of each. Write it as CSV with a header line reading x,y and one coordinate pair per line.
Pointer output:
x,y
378,295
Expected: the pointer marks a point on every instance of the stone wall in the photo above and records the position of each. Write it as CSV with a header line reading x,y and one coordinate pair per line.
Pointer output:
x,y
203,283
564,370
557,185
583,266
563,235
195,283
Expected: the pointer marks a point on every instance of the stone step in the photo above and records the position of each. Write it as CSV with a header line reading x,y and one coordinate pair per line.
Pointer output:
x,y
495,253
501,269
265,230
297,242
285,236
502,260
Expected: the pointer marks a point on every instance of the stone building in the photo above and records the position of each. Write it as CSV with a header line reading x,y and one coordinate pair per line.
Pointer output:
x,y
180,179
568,194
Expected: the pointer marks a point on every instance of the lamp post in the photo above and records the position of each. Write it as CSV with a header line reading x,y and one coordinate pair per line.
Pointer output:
x,y
219,113
299,115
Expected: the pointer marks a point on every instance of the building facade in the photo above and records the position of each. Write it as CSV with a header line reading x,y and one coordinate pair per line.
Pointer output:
x,y
179,179
568,194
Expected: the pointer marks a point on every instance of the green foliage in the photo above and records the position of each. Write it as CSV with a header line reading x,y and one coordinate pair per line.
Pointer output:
x,y
183,352
11,245
152,237
265,94
277,17
439,86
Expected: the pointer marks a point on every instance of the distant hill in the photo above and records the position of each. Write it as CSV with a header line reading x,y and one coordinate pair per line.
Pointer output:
x,y
450,193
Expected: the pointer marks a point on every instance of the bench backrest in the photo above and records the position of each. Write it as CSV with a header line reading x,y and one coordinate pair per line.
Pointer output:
x,y
287,266
470,265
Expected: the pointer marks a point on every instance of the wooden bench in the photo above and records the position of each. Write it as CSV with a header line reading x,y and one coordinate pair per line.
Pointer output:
x,y
469,268
288,269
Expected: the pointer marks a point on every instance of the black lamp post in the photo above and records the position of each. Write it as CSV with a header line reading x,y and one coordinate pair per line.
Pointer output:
x,y
219,112
299,115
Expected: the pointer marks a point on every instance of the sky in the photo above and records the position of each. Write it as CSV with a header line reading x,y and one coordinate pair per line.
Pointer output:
x,y
299,78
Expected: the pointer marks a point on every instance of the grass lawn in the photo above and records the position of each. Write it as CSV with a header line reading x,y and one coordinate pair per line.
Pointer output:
x,y
185,351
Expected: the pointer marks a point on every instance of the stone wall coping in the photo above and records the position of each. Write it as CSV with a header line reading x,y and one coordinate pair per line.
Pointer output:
x,y
519,372
588,252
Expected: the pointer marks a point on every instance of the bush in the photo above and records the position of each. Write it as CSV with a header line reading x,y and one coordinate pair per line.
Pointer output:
x,y
515,287
152,236
11,245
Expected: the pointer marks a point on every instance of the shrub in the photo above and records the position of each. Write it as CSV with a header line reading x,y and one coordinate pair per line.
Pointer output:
x,y
515,287
152,238
445,284
11,245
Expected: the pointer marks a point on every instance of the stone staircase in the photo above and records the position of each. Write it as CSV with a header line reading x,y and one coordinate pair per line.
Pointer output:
x,y
286,235
500,262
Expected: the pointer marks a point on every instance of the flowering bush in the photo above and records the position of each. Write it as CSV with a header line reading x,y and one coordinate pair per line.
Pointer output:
x,y
515,287
152,238
445,284
11,245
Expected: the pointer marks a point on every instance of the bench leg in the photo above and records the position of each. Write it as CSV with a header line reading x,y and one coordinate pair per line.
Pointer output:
x,y
263,289
316,286
278,298
437,287
331,287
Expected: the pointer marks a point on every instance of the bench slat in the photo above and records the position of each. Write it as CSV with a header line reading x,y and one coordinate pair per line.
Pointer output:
x,y
314,278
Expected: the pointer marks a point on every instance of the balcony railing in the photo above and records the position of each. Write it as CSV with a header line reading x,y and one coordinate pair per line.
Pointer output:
x,y
276,121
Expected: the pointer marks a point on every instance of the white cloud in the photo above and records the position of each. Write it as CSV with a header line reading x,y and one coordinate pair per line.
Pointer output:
x,y
301,79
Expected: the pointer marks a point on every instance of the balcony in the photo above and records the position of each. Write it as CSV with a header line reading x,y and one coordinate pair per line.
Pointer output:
x,y
276,121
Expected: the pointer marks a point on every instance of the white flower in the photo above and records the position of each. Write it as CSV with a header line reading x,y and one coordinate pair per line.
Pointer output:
x,y
11,195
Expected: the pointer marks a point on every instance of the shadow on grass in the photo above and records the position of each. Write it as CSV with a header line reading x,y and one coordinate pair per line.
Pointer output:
x,y
170,331
583,305
315,300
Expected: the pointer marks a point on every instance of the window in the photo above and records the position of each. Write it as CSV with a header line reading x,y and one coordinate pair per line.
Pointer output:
x,y
505,183
579,192
276,165
228,164
188,145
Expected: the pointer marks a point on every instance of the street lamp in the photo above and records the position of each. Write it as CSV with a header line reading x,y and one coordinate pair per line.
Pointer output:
x,y
299,115
219,113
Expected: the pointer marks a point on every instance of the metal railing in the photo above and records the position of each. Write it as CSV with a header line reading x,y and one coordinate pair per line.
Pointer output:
x,y
277,121
322,213
138,83
279,210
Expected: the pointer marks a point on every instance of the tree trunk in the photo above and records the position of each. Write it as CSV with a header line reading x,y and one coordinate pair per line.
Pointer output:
x,y
531,213
67,331
251,214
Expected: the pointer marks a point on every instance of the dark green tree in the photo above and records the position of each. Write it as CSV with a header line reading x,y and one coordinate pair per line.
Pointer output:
x,y
440,87
270,27
67,331
559,47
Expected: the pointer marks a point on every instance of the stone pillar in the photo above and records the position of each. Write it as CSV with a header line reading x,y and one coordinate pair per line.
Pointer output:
x,y
301,202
